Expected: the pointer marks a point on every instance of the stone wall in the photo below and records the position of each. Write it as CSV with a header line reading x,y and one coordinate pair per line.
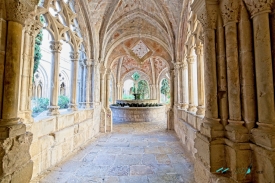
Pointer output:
x,y
57,137
186,126
139,114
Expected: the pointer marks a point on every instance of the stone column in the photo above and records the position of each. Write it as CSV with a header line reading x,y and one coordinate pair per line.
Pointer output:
x,y
56,47
109,122
264,135
14,140
248,92
118,91
235,130
180,84
88,64
172,111
184,86
200,70
190,61
92,89
222,75
74,75
103,124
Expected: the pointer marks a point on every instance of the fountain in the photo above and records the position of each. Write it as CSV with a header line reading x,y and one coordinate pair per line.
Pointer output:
x,y
138,110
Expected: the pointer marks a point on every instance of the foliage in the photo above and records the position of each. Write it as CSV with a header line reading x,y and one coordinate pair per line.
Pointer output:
x,y
165,88
37,49
143,88
41,105
63,102
128,97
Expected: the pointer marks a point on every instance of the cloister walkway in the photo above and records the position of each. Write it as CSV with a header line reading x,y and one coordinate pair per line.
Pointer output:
x,y
132,153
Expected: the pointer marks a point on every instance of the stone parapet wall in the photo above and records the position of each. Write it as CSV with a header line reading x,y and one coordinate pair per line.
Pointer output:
x,y
57,137
186,126
139,114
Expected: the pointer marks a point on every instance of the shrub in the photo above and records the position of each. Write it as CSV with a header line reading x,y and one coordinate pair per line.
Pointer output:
x,y
63,102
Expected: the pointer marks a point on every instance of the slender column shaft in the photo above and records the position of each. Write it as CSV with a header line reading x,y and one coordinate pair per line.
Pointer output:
x,y
108,79
264,74
56,47
12,71
247,70
200,80
102,87
3,29
174,90
190,61
74,74
88,64
184,85
180,80
210,75
25,70
233,79
222,75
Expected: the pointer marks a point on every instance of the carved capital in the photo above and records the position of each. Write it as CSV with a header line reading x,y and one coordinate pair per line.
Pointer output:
x,y
207,12
258,6
190,60
56,46
19,10
198,50
88,62
74,56
229,11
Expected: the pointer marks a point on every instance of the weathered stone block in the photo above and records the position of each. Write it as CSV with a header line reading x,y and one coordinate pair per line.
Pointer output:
x,y
65,121
63,135
23,174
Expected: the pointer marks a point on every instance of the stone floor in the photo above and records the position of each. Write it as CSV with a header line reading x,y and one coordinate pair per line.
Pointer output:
x,y
133,153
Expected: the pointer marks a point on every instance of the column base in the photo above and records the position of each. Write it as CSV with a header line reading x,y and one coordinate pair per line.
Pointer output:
x,y
212,128
264,136
200,110
191,108
236,132
184,106
73,107
16,164
53,110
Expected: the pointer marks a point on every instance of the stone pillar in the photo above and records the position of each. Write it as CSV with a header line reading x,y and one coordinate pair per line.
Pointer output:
x,y
180,85
222,76
109,122
184,86
16,164
248,92
88,64
200,70
56,47
235,130
74,75
93,80
264,135
190,61
102,71
172,111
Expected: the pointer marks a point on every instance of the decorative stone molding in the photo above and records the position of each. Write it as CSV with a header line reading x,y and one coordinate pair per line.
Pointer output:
x,y
229,11
53,110
258,6
198,50
18,10
88,62
74,56
207,12
56,46
190,60
102,69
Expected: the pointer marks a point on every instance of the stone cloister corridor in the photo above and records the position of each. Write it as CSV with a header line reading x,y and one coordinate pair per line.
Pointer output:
x,y
133,152
184,86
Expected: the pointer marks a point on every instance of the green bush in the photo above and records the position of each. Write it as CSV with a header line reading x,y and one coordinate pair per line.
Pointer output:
x,y
63,102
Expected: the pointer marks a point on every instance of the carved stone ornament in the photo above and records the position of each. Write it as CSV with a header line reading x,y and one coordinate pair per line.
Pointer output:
x,y
18,10
198,50
88,62
190,60
229,10
258,6
206,13
56,46
74,56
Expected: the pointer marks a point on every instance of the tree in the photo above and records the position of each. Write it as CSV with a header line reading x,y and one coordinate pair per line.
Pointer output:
x,y
165,88
143,88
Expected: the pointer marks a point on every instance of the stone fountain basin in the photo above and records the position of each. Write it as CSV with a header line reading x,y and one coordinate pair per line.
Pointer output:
x,y
139,114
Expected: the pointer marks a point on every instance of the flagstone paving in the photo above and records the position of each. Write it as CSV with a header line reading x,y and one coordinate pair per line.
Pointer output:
x,y
132,153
